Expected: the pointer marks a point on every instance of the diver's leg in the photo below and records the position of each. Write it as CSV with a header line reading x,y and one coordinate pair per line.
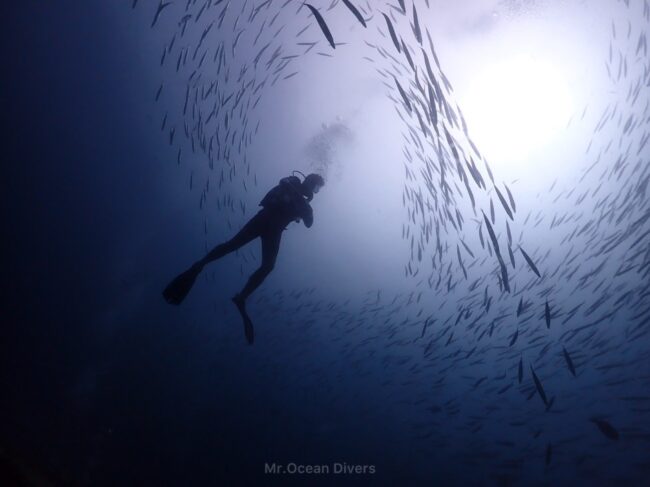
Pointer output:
x,y
178,289
250,231
270,248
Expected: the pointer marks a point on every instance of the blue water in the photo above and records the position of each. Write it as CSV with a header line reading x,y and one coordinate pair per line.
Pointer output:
x,y
387,348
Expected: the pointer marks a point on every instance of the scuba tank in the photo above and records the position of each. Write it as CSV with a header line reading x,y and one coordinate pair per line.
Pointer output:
x,y
283,196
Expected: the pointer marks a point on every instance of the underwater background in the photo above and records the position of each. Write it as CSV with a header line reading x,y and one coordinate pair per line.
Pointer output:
x,y
470,307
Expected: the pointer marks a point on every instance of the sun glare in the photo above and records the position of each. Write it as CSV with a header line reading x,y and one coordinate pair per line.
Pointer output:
x,y
515,107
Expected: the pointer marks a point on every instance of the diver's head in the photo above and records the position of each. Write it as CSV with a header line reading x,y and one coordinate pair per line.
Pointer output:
x,y
311,185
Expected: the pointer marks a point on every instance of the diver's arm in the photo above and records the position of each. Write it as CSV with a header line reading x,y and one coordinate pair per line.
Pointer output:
x,y
308,215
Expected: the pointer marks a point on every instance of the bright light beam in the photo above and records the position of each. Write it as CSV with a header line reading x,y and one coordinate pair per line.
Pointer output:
x,y
515,108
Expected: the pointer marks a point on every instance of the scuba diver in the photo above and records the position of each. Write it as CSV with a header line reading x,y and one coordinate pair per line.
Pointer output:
x,y
286,202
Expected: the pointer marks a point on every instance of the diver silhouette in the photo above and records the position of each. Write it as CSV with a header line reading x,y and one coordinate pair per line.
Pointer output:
x,y
286,202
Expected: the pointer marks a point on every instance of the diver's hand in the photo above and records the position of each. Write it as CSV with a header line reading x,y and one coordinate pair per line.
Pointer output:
x,y
308,216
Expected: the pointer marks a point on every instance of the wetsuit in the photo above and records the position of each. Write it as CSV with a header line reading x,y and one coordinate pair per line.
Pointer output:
x,y
281,205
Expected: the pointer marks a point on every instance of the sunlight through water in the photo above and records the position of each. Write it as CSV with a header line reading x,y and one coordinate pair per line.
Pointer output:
x,y
515,107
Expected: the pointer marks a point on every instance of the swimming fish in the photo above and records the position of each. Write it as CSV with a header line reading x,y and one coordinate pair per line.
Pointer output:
x,y
161,7
569,362
322,25
391,31
538,386
530,262
605,428
514,338
355,12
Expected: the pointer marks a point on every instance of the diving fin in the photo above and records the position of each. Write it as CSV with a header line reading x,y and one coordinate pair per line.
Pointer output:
x,y
178,289
248,324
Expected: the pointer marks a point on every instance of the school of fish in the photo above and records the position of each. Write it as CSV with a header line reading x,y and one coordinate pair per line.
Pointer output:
x,y
504,337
